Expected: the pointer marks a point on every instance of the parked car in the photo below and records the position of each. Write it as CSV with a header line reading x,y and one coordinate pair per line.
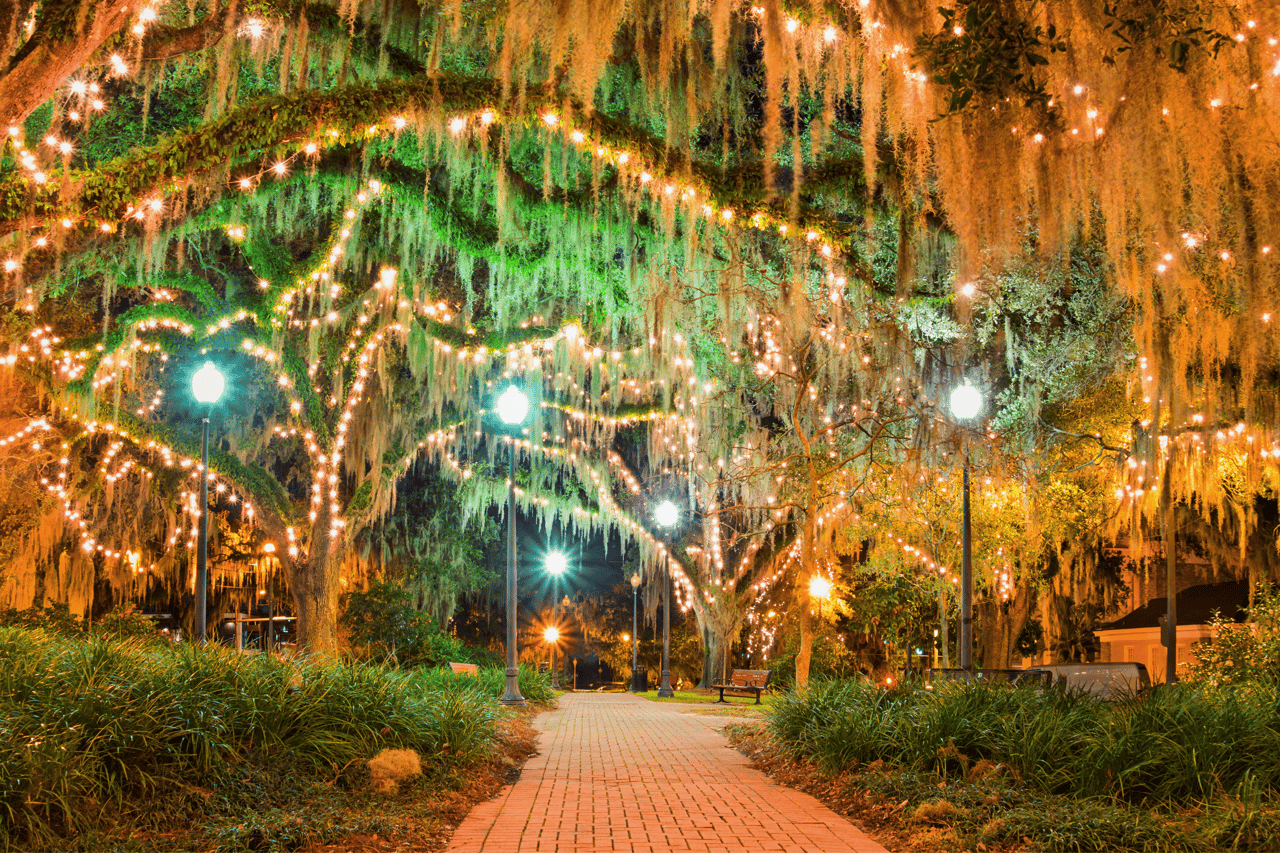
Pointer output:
x,y
988,676
1104,680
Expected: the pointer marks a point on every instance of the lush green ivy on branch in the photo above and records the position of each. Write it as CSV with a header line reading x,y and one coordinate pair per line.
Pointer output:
x,y
279,125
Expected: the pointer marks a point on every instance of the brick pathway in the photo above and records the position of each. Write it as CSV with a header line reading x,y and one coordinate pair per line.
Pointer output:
x,y
618,773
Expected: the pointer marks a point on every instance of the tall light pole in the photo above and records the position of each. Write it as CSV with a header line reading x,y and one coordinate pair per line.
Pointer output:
x,y
207,386
565,604
513,405
635,631
666,515
556,564
552,636
965,403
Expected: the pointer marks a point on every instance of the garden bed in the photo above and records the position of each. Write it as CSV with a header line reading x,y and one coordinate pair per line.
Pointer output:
x,y
982,769
150,746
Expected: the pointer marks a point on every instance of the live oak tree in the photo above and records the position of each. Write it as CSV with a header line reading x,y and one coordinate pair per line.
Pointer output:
x,y
578,197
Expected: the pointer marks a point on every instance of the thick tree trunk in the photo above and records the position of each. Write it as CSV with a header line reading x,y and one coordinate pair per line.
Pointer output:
x,y
37,73
944,632
805,656
315,596
1002,624
713,652
316,586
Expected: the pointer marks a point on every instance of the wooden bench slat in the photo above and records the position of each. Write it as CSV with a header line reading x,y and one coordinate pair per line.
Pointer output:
x,y
464,668
745,682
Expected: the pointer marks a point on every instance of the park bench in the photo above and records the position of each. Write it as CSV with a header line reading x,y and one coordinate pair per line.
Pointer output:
x,y
744,682
464,668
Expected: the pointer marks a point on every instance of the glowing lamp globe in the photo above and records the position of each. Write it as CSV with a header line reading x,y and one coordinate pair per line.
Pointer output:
x,y
666,514
557,563
513,405
819,587
551,635
635,580
966,401
208,383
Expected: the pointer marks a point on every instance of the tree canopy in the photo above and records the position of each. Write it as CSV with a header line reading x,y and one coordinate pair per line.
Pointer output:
x,y
735,254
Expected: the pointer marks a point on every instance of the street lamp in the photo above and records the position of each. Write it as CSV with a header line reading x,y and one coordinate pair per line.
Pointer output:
x,y
965,403
666,515
556,564
207,386
513,405
552,636
565,604
635,631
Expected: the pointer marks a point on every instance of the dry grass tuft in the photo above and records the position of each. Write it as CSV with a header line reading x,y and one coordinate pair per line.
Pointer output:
x,y
938,811
391,767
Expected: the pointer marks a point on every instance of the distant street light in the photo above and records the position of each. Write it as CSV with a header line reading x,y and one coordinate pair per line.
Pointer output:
x,y
666,515
552,636
557,564
965,403
635,631
207,386
512,407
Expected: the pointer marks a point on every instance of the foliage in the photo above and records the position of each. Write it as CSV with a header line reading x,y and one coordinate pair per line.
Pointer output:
x,y
1181,744
831,659
54,617
90,721
1242,654
981,50
1176,29
382,623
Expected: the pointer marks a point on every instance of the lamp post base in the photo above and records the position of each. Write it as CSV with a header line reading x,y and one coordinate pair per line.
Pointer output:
x,y
665,691
512,694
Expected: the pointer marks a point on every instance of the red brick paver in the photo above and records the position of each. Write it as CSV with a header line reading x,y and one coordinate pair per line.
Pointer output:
x,y
617,773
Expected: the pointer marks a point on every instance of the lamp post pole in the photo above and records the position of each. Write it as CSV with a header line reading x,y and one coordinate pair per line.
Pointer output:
x,y
966,580
552,636
512,407
965,403
666,515
202,554
556,564
635,632
511,696
207,385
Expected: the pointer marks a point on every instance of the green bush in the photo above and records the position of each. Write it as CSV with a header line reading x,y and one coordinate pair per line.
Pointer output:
x,y
1243,653
382,624
90,725
1181,744
489,681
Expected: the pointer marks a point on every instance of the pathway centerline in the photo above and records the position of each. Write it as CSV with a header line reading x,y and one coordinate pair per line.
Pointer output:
x,y
618,773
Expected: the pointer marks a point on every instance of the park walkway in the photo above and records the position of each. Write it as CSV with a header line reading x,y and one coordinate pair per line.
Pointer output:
x,y
618,773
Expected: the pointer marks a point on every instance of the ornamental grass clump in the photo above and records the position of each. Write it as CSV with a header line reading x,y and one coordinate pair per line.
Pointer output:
x,y
1184,744
93,727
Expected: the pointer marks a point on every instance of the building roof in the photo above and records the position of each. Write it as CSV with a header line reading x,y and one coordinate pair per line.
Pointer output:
x,y
1196,606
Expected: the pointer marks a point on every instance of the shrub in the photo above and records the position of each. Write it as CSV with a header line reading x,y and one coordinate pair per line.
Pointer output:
x,y
90,724
383,624
1242,653
1182,744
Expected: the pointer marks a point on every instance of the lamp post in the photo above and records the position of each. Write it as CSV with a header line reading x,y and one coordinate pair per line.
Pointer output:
x,y
207,386
556,564
552,636
635,631
666,515
513,405
269,549
965,403
565,604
